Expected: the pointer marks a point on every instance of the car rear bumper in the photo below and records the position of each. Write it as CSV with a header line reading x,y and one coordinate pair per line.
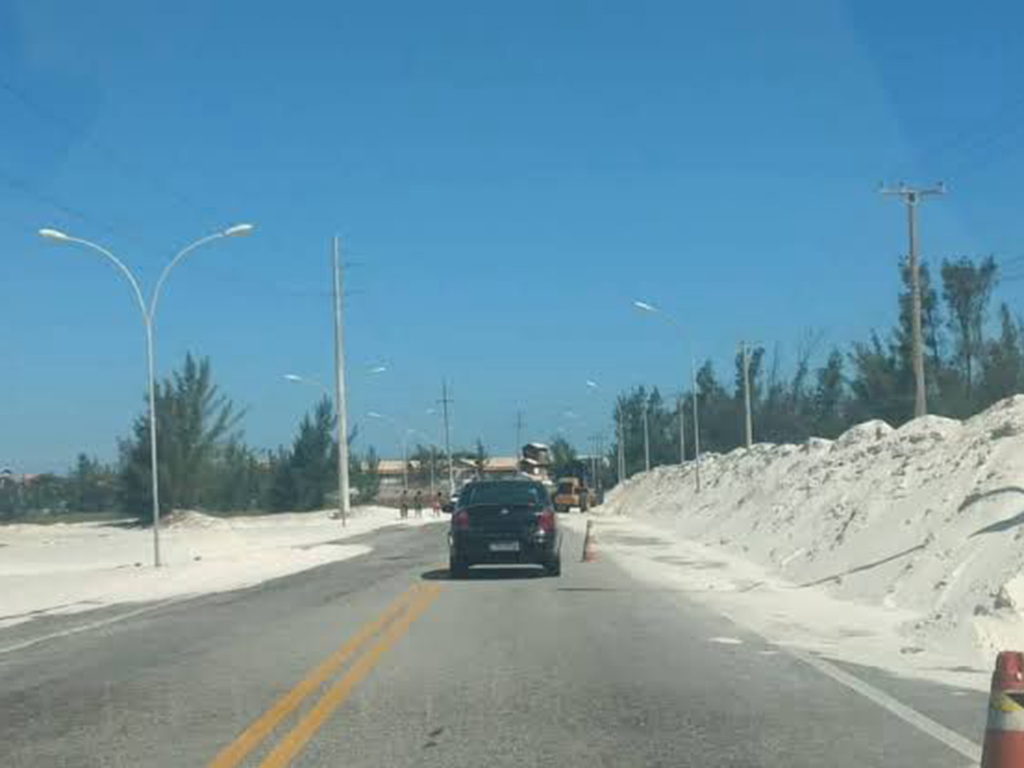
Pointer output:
x,y
476,548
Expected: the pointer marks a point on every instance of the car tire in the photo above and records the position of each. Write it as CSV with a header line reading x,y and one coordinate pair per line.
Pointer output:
x,y
458,568
554,567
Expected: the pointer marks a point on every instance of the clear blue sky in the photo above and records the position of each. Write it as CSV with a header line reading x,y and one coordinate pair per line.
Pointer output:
x,y
506,178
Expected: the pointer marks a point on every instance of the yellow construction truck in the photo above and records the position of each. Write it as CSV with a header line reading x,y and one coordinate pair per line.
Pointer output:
x,y
571,492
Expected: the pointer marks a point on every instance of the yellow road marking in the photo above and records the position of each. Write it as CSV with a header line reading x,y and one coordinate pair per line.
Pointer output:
x,y
251,737
293,743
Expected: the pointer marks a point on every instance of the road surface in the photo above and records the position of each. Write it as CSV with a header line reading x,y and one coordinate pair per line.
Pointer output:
x,y
383,661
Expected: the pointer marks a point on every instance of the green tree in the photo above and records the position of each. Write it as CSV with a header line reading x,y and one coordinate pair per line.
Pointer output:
x,y
879,385
313,461
829,397
237,478
365,475
564,459
967,288
282,493
193,420
92,486
1003,365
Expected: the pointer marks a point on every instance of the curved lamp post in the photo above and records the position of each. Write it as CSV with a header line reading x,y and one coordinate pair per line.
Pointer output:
x,y
148,313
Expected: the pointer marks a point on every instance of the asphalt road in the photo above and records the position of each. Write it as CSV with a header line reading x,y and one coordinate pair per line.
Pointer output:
x,y
383,661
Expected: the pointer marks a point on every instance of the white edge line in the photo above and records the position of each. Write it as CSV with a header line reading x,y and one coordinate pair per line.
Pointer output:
x,y
923,723
95,624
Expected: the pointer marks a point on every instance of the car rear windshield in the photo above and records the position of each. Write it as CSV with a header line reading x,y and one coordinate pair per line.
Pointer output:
x,y
504,493
566,488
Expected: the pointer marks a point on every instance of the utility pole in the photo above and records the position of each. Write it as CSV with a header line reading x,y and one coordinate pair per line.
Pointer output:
x,y
912,196
748,418
433,471
447,436
622,445
681,414
339,386
696,425
519,433
647,441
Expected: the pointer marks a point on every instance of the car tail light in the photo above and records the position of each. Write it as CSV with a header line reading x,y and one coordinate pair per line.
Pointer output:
x,y
546,521
461,520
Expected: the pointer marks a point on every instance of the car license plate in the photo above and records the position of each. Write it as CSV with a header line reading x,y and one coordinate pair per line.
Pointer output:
x,y
504,546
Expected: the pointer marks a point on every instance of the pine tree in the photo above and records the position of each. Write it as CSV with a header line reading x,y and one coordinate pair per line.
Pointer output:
x,y
193,420
967,288
1003,365
313,471
828,397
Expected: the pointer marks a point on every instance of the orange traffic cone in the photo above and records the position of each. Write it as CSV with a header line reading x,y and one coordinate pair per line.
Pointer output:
x,y
588,542
1004,733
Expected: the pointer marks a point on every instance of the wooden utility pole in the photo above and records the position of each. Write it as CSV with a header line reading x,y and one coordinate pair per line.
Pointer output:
x,y
445,401
912,196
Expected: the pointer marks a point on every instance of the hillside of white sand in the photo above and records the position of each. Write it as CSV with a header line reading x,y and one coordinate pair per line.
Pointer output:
x,y
925,522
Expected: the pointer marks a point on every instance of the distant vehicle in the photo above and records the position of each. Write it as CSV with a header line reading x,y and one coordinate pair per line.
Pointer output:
x,y
571,492
504,521
535,462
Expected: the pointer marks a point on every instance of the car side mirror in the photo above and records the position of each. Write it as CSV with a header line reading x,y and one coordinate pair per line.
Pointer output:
x,y
448,507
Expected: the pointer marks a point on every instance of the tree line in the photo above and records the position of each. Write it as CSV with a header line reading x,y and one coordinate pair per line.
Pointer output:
x,y
204,462
970,363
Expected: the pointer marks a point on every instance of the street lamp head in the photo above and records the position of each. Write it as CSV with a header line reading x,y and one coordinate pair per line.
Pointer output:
x,y
375,415
377,369
644,306
53,234
591,383
238,230
292,377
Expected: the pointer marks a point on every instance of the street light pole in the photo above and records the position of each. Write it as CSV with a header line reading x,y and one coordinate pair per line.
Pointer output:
x,y
748,420
339,385
651,309
696,426
148,314
622,445
647,440
681,414
447,436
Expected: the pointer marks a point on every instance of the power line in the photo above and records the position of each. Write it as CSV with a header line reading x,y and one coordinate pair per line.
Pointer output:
x,y
969,141
108,154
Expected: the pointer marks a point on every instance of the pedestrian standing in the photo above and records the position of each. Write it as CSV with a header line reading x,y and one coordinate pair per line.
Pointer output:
x,y
436,505
418,501
403,505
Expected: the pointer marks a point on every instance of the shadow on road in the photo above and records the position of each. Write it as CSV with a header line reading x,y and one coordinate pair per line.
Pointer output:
x,y
487,573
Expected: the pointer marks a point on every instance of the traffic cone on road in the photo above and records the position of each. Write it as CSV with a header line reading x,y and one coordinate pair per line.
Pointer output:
x,y
588,545
1004,732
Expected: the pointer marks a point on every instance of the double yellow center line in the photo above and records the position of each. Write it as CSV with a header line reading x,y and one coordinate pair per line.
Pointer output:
x,y
391,626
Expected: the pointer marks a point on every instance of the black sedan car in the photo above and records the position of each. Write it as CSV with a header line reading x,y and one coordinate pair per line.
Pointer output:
x,y
504,521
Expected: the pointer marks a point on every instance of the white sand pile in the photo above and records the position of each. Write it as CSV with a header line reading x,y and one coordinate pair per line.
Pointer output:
x,y
927,519
61,568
